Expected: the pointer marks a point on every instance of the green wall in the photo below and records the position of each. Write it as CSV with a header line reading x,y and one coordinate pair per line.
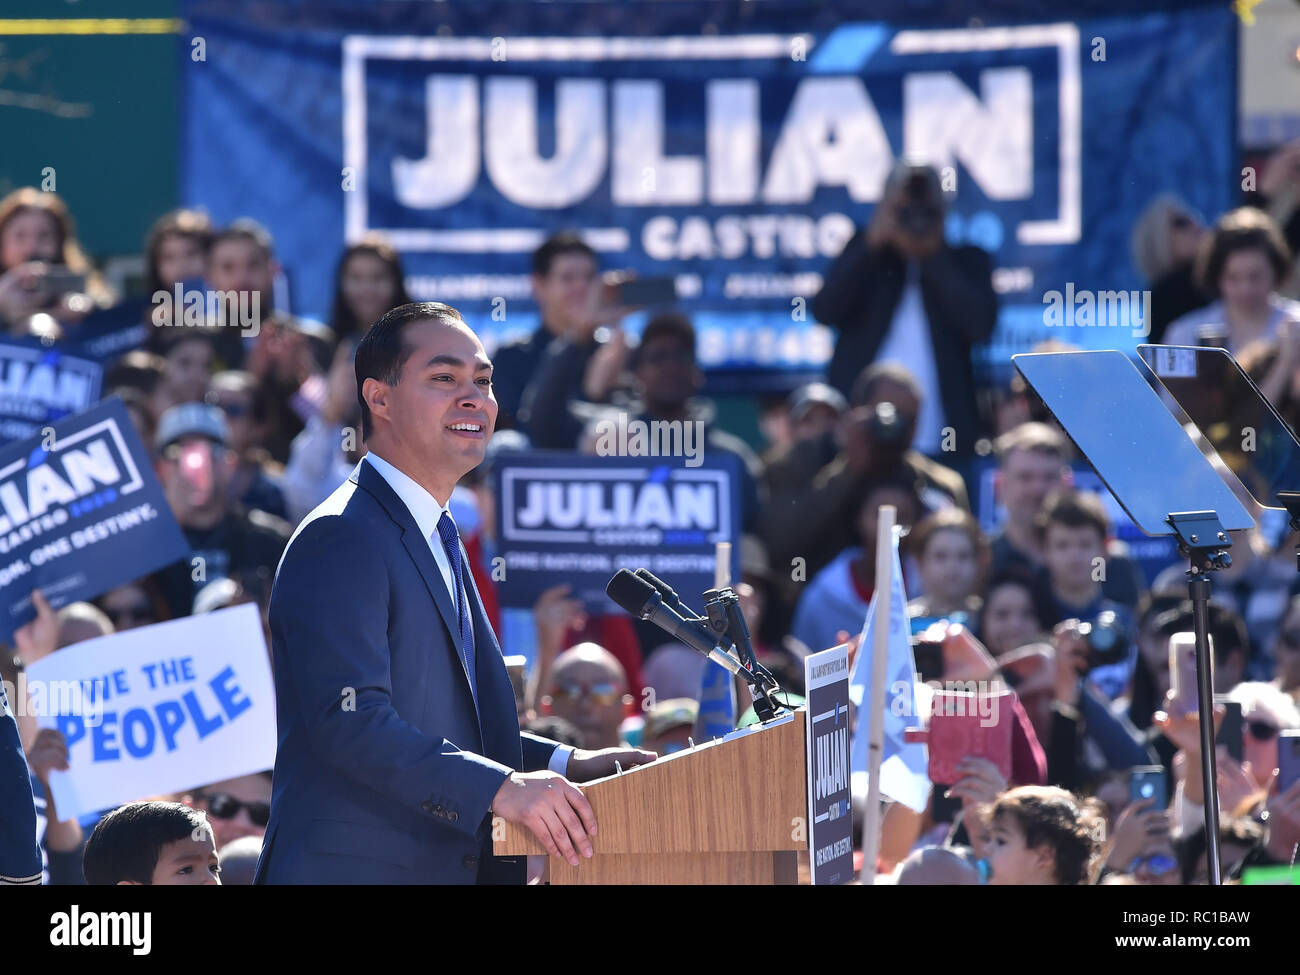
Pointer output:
x,y
100,108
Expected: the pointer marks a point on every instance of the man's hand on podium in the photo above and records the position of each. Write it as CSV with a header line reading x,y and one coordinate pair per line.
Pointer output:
x,y
586,765
550,807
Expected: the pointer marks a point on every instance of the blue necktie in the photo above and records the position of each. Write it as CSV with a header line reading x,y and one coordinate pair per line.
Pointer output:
x,y
451,545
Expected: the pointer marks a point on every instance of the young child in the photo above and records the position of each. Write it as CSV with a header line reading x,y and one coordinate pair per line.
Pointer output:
x,y
1043,835
158,843
950,555
1074,526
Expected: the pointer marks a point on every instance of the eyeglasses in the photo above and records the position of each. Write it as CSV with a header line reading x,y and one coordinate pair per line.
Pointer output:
x,y
1157,864
603,694
1261,730
225,806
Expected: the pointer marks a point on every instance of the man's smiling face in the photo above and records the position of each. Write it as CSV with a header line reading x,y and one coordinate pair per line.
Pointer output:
x,y
442,409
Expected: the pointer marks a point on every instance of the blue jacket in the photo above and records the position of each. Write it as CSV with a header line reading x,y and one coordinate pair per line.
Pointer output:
x,y
20,859
829,604
385,769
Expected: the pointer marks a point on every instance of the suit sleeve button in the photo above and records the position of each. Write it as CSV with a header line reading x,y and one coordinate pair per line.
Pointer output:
x,y
453,816
470,861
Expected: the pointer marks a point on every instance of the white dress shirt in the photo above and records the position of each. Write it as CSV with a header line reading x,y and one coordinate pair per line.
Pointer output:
x,y
909,341
427,512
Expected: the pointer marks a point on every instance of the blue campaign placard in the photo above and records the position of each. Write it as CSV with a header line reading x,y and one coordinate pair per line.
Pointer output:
x,y
565,517
40,384
80,513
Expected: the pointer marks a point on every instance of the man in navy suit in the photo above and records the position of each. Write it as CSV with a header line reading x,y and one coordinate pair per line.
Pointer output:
x,y
398,736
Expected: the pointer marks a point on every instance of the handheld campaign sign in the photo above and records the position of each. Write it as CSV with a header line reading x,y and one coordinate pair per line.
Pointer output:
x,y
830,812
569,517
40,385
158,709
80,513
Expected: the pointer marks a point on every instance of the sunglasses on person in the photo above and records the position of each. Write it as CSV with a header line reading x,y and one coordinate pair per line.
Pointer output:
x,y
225,806
1157,864
1261,730
602,694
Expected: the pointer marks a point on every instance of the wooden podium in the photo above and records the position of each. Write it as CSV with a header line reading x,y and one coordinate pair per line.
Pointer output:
x,y
730,811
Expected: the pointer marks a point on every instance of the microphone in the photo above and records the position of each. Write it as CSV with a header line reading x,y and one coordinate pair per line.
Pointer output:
x,y
642,600
667,591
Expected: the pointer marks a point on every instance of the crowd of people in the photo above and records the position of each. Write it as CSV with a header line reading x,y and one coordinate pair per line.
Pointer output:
x,y
251,427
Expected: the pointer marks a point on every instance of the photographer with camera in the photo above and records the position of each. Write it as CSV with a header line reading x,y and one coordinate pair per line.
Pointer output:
x,y
899,292
43,271
811,518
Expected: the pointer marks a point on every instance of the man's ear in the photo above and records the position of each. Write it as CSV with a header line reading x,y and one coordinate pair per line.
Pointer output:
x,y
375,394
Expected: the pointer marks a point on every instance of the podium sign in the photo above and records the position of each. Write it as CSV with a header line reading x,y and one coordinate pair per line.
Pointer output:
x,y
830,818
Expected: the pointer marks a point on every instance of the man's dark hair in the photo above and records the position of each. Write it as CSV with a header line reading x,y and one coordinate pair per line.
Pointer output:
x,y
137,369
246,229
1073,509
668,325
382,353
126,843
864,387
565,242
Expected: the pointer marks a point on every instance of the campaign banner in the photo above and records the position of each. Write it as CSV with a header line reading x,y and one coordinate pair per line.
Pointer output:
x,y
573,518
80,513
830,811
158,709
40,384
732,147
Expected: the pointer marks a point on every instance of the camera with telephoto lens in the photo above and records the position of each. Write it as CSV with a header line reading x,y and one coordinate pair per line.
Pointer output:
x,y
887,427
1106,639
920,213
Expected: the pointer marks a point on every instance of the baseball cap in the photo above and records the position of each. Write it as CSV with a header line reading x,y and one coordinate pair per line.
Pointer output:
x,y
813,394
190,420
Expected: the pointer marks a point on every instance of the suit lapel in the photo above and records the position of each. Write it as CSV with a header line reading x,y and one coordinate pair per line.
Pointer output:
x,y
418,548
491,676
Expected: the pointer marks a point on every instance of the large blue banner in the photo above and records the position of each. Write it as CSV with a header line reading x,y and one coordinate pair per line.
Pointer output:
x,y
733,146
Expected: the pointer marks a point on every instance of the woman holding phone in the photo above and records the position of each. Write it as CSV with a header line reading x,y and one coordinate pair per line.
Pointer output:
x,y
42,267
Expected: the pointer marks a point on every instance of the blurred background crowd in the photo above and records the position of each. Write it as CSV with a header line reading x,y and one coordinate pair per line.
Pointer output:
x,y
251,428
